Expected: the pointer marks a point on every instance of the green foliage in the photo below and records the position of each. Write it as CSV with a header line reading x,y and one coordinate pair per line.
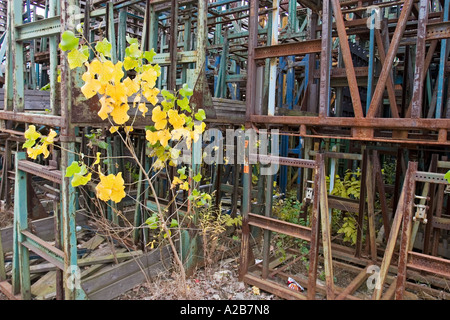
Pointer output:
x,y
349,229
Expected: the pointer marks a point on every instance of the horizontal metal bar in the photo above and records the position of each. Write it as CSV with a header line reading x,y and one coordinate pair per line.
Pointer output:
x,y
441,223
431,264
273,287
42,28
43,249
46,120
183,57
288,49
379,123
338,155
284,161
430,177
444,164
290,229
438,30
40,171
343,204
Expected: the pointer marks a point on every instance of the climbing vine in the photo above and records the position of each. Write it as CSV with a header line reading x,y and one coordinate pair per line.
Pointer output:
x,y
126,89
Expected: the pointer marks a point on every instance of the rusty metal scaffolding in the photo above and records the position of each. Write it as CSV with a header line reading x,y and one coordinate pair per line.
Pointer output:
x,y
349,85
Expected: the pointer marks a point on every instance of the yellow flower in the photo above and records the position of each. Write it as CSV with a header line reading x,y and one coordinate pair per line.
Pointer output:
x,y
131,87
164,137
143,108
113,129
176,181
31,133
151,94
34,152
151,137
175,119
120,113
159,117
106,108
111,187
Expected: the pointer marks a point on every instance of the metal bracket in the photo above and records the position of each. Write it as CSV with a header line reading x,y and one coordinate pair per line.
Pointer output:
x,y
309,195
421,211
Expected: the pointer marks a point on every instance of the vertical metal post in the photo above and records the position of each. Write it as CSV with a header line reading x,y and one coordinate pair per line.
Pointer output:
x,y
406,232
324,97
443,61
417,96
251,63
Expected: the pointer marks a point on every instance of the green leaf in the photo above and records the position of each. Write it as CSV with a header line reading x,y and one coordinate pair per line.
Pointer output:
x,y
72,169
148,55
182,173
184,104
167,95
195,193
131,40
197,178
133,51
102,145
104,47
76,59
152,222
29,144
447,176
68,41
130,63
80,180
185,91
174,223
200,115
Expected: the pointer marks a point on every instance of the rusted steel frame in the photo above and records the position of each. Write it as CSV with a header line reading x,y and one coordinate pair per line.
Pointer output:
x,y
315,225
389,294
362,205
307,102
427,263
417,96
370,185
438,30
395,229
425,193
346,55
288,49
432,177
284,161
273,287
341,73
267,233
376,123
325,60
251,63
387,66
40,171
427,62
382,193
276,225
436,231
172,76
245,212
326,231
406,233
389,82
361,137
354,285
47,120
433,201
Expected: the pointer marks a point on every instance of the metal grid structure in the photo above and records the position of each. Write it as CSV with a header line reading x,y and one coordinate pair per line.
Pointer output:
x,y
349,84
